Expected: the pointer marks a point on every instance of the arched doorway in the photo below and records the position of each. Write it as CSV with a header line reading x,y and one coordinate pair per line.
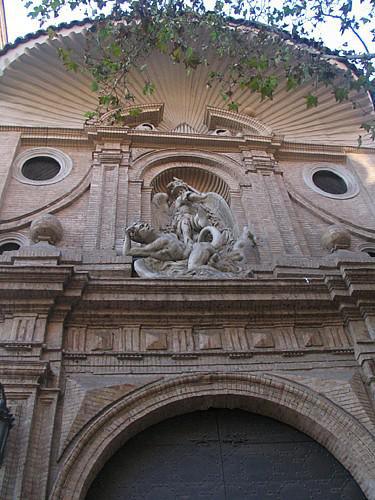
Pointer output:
x,y
223,454
269,395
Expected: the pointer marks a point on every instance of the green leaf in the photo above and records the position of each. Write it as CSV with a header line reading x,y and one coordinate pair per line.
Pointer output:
x,y
105,100
116,50
149,88
268,86
135,112
51,33
104,32
291,83
90,114
192,59
94,86
341,94
176,55
233,106
311,101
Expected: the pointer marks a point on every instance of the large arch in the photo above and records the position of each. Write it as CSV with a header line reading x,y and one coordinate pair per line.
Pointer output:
x,y
270,395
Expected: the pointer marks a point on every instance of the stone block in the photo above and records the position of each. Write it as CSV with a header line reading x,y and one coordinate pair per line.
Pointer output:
x,y
155,340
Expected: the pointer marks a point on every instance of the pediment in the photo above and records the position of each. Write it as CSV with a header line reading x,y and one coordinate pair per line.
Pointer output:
x,y
218,118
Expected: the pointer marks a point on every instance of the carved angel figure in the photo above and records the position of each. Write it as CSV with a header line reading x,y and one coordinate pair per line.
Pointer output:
x,y
194,235
185,211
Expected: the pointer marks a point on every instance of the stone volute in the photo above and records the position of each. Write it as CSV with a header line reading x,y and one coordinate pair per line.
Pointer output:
x,y
46,228
336,237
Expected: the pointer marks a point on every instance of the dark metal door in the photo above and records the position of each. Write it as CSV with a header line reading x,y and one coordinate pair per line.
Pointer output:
x,y
223,454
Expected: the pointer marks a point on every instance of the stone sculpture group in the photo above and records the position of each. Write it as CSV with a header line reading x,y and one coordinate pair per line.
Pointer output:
x,y
193,234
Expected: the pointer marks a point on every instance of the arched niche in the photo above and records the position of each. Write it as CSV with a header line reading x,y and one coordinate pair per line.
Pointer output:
x,y
269,395
219,169
199,178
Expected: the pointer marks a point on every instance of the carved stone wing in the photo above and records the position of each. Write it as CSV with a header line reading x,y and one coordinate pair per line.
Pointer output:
x,y
220,214
161,211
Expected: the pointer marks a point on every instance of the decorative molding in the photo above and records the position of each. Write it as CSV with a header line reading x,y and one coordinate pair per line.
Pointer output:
x,y
184,128
340,171
63,201
152,113
321,213
65,162
216,118
284,149
271,395
10,237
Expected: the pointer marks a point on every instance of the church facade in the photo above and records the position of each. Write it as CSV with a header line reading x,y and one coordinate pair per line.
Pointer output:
x,y
192,260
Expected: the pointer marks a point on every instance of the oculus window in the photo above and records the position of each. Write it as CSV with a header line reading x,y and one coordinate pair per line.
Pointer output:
x,y
330,180
41,166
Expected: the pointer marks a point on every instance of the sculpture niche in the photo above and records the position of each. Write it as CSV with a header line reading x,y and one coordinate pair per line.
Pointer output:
x,y
193,235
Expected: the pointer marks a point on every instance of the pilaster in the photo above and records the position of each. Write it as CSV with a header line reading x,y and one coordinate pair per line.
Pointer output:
x,y
30,366
265,194
9,143
104,202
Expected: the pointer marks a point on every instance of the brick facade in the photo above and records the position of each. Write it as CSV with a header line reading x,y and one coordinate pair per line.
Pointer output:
x,y
90,355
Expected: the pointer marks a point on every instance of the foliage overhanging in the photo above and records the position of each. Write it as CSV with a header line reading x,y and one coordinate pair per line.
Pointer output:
x,y
263,44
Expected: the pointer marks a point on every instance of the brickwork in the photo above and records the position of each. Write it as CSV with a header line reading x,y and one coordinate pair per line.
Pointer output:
x,y
90,354
8,148
108,339
34,198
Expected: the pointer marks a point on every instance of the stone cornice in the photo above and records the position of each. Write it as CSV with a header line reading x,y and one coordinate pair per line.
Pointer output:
x,y
29,371
157,139
274,284
299,293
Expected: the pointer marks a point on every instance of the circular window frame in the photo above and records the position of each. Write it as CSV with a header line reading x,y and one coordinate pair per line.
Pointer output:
x,y
364,248
18,238
340,171
65,162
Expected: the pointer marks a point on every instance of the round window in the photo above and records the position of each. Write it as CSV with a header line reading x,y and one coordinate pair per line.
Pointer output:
x,y
9,247
370,251
40,168
329,182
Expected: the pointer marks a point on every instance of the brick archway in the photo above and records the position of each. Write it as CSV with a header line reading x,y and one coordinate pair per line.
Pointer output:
x,y
147,167
348,441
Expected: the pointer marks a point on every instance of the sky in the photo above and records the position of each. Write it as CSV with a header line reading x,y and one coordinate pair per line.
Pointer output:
x,y
19,25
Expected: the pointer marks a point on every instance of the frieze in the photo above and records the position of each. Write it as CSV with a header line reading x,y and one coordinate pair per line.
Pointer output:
x,y
194,339
99,340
